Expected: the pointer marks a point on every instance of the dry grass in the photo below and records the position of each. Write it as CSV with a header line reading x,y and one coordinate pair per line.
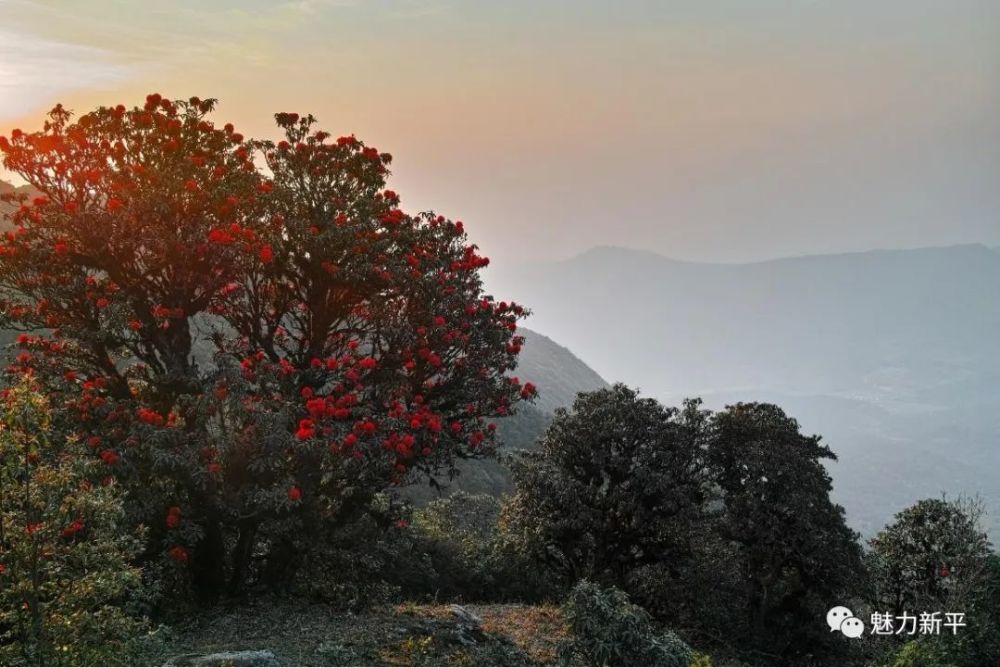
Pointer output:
x,y
537,630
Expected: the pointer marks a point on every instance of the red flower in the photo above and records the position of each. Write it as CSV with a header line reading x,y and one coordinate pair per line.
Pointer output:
x,y
214,468
173,521
114,204
305,430
149,416
306,392
221,237
316,407
368,363
61,248
266,254
72,529
134,325
110,457
294,494
178,554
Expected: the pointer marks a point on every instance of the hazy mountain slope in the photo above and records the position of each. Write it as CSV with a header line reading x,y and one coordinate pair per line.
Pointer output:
x,y
891,355
559,374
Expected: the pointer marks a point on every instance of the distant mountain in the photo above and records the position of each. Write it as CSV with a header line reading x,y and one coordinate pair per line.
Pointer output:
x,y
891,355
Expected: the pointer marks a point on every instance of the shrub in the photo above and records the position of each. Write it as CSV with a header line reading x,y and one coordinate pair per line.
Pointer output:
x,y
458,534
608,630
368,562
68,594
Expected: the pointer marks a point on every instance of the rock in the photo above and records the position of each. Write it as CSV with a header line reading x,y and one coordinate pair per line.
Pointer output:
x,y
468,629
250,657
464,617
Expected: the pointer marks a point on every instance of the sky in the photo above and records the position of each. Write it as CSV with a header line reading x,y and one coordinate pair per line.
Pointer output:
x,y
717,131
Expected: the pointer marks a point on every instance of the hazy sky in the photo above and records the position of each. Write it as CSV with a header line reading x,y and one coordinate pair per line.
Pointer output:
x,y
700,130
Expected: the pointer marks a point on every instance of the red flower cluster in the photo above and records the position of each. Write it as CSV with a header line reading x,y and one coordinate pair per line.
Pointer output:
x,y
173,517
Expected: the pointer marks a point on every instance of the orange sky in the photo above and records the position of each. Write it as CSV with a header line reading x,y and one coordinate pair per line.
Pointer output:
x,y
722,131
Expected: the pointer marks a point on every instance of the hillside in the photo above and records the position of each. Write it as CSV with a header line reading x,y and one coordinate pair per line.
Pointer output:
x,y
889,354
6,188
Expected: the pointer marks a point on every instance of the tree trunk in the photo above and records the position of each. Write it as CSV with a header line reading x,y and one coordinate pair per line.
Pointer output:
x,y
208,564
241,557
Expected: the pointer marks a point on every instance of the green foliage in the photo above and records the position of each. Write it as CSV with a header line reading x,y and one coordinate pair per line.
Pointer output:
x,y
459,535
608,630
68,594
922,652
365,562
463,538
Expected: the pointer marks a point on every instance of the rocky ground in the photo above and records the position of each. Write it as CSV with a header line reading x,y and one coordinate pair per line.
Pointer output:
x,y
277,633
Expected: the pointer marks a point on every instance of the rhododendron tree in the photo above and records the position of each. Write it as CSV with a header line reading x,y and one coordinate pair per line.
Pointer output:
x,y
252,335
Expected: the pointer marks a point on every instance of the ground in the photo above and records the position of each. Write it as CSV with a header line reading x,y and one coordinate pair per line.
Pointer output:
x,y
409,634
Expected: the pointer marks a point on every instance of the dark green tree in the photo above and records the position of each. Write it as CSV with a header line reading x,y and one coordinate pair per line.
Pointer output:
x,y
614,492
793,553
936,557
933,555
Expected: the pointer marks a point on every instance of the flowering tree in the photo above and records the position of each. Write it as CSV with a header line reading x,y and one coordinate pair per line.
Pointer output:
x,y
255,351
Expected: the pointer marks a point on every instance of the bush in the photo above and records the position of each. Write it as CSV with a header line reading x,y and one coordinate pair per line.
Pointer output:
x,y
458,534
367,562
68,594
608,630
